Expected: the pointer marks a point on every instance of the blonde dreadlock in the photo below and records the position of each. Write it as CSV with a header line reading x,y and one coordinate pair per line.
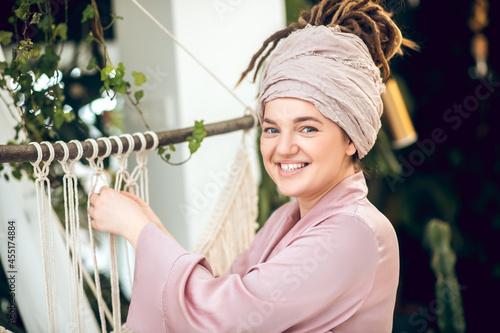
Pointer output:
x,y
364,18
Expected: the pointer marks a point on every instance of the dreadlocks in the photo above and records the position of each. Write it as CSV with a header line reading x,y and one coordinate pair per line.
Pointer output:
x,y
364,18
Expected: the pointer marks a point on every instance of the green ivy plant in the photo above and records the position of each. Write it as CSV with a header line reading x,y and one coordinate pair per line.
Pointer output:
x,y
42,112
194,143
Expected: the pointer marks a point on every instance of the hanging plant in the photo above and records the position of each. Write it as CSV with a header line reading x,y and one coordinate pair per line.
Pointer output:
x,y
36,82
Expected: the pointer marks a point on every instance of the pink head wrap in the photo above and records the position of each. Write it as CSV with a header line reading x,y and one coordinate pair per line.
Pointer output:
x,y
332,70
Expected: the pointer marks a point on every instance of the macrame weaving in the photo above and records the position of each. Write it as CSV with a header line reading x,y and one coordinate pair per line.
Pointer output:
x,y
233,223
229,232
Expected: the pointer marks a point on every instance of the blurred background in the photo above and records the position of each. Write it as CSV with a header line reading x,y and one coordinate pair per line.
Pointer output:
x,y
441,162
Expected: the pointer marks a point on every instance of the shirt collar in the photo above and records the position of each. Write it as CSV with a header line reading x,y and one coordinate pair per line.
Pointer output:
x,y
344,194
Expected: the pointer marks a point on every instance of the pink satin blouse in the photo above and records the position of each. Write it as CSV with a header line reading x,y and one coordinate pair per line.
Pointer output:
x,y
334,270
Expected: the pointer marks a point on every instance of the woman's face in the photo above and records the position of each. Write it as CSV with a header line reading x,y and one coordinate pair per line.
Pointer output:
x,y
305,153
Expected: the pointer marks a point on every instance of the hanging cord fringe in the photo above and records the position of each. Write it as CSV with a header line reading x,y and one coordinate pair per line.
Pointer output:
x,y
88,279
114,279
114,276
156,142
96,164
124,177
42,185
233,223
72,234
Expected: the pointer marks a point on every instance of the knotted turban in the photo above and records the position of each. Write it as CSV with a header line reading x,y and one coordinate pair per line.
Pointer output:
x,y
332,70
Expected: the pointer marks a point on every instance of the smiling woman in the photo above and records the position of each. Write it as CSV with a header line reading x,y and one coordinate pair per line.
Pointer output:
x,y
305,153
325,262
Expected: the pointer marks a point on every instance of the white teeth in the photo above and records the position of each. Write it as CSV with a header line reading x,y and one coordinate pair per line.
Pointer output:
x,y
291,167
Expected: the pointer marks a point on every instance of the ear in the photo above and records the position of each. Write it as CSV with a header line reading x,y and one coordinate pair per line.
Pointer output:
x,y
350,149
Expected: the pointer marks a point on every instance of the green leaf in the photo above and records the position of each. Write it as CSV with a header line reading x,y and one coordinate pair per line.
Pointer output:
x,y
105,72
25,47
116,17
37,50
199,131
161,150
62,31
171,147
139,94
36,18
90,38
23,11
88,13
5,37
92,63
167,156
121,88
16,173
3,65
44,24
6,176
193,146
11,19
69,116
121,68
140,78
48,61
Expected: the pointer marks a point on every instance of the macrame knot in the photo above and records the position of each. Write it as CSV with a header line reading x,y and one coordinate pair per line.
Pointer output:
x,y
41,173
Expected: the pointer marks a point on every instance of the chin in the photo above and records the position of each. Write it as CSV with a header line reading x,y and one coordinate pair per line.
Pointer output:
x,y
290,191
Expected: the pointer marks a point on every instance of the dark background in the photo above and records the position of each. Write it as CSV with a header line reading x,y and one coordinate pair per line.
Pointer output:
x,y
458,182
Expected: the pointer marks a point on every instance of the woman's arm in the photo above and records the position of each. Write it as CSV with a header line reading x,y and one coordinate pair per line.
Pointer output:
x,y
314,284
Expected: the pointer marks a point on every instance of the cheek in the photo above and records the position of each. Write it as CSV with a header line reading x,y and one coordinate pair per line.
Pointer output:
x,y
265,149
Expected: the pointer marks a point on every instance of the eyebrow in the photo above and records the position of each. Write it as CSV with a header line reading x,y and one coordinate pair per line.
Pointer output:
x,y
302,119
295,121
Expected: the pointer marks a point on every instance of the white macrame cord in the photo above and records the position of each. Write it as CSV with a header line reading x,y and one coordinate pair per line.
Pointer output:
x,y
42,185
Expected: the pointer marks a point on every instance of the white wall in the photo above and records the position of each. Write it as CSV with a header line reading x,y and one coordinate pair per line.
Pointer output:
x,y
223,35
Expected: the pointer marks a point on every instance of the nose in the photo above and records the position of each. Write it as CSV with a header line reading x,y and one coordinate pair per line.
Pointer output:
x,y
287,144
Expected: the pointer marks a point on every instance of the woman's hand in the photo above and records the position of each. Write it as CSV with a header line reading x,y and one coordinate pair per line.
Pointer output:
x,y
119,214
148,211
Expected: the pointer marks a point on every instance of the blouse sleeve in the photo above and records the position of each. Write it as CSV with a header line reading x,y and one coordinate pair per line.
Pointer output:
x,y
326,273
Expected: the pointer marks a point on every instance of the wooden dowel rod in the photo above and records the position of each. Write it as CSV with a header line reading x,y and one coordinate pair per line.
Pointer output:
x,y
28,153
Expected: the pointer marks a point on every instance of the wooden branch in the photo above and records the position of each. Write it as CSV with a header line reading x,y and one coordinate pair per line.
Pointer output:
x,y
28,153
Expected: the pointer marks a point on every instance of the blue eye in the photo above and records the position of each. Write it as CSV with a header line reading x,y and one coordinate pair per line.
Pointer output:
x,y
271,130
309,129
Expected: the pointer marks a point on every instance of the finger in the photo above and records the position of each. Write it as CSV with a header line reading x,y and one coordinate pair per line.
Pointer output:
x,y
91,212
93,222
93,198
105,188
134,197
